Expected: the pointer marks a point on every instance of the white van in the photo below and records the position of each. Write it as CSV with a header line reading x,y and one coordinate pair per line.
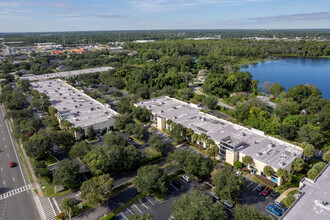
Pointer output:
x,y
186,178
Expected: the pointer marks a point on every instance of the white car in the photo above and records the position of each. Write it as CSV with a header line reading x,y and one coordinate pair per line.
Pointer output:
x,y
227,203
186,178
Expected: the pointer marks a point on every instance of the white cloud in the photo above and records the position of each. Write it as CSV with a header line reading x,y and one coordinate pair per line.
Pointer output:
x,y
163,5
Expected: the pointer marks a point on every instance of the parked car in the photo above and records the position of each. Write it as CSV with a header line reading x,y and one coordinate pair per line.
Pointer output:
x,y
227,203
266,191
238,173
280,206
274,210
12,164
273,194
214,195
260,188
186,178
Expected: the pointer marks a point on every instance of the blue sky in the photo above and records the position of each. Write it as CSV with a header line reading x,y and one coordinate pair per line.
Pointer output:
x,y
84,15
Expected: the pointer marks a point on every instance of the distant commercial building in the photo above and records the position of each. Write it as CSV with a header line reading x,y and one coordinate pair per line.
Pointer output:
x,y
79,51
66,74
234,141
48,46
314,198
144,41
76,107
116,49
8,51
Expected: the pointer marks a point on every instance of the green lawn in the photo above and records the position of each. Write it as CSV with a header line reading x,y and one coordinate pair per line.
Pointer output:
x,y
50,160
48,189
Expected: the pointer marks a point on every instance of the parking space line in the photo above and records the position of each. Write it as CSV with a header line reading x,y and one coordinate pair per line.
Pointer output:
x,y
144,204
150,201
182,181
137,208
123,215
255,188
174,187
250,184
130,211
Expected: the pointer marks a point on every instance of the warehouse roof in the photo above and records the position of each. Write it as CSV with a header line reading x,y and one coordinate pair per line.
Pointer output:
x,y
73,105
252,142
65,74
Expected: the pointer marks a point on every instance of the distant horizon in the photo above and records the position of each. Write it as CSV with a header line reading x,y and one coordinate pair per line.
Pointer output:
x,y
20,16
208,29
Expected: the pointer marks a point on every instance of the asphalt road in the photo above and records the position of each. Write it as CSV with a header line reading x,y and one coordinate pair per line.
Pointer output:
x,y
16,197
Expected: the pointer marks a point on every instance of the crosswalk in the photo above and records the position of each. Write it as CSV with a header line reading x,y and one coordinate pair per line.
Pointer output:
x,y
15,192
47,208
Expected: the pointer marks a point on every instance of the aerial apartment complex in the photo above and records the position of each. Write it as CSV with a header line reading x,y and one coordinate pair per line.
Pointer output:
x,y
76,107
234,141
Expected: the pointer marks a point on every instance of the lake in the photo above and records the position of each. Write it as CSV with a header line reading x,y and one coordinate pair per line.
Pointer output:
x,y
294,71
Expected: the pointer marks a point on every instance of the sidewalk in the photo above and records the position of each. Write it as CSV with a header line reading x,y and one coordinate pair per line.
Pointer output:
x,y
285,193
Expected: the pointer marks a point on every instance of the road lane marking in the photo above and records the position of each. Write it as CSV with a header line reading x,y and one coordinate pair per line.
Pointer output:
x,y
5,146
249,184
130,211
55,202
1,169
255,188
52,206
12,142
4,183
174,187
15,192
14,179
3,138
2,131
8,155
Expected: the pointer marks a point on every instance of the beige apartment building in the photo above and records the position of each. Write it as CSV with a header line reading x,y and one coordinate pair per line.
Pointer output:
x,y
234,141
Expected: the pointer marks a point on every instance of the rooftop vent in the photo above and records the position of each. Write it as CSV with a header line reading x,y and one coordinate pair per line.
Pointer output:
x,y
256,142
281,163
149,106
204,119
173,107
258,154
175,117
161,111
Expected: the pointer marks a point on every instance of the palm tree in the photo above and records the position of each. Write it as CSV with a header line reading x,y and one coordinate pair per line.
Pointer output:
x,y
195,137
189,133
247,160
209,142
268,170
66,206
203,137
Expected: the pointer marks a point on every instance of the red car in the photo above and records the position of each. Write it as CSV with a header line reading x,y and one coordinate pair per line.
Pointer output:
x,y
12,164
266,191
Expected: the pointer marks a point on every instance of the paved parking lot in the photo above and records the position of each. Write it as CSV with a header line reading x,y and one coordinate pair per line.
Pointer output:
x,y
255,198
159,210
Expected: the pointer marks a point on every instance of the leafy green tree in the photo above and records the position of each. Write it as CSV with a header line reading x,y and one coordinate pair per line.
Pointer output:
x,y
247,160
118,83
66,173
246,212
238,164
97,161
80,149
326,156
157,143
150,179
186,94
25,85
210,102
312,173
91,133
268,170
226,184
285,108
62,138
97,189
288,200
310,134
124,104
117,94
38,145
308,149
298,164
40,101
121,121
141,114
319,166
276,89
178,132
103,88
185,207
41,169
192,163
242,110
111,139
